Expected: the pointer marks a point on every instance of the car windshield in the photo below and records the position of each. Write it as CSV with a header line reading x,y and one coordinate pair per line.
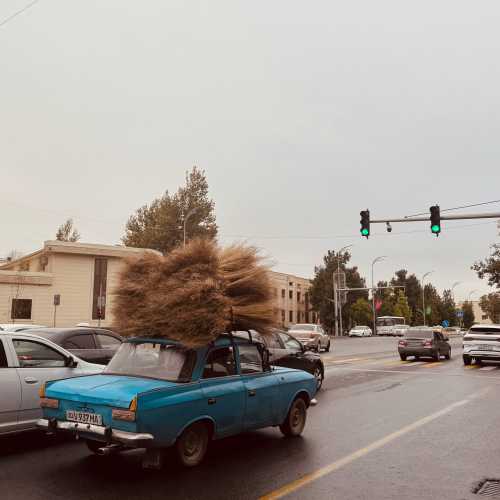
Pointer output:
x,y
308,328
155,360
419,334
485,330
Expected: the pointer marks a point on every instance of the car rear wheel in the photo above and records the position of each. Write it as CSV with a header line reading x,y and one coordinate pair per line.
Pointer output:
x,y
318,375
437,356
295,421
448,356
327,347
403,357
93,446
467,361
192,445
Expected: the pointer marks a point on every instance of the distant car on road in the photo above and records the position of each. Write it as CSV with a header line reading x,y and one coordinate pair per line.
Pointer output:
x,y
424,343
156,393
26,362
481,343
18,327
285,350
95,345
311,335
360,331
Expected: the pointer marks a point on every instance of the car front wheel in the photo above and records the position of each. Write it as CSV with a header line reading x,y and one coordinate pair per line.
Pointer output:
x,y
318,375
192,445
403,357
448,356
327,349
467,361
295,420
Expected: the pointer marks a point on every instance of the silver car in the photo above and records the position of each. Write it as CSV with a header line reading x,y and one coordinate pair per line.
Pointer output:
x,y
311,336
26,362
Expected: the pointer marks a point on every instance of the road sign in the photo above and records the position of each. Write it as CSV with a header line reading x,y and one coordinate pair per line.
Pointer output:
x,y
460,314
445,323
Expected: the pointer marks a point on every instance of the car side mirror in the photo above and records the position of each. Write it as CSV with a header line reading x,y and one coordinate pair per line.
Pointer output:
x,y
71,362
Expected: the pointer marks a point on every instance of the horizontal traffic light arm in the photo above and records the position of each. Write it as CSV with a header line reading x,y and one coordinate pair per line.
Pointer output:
x,y
494,215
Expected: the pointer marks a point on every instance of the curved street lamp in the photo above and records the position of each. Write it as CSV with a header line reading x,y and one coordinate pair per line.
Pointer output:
x,y
343,249
377,259
471,293
423,292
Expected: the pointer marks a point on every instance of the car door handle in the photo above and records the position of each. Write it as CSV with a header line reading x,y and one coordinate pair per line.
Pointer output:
x,y
252,392
31,380
212,401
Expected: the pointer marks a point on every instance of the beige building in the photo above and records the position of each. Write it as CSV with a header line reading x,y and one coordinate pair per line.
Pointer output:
x,y
479,315
292,299
83,276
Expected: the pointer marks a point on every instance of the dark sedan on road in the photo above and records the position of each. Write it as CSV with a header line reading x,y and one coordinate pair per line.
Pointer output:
x,y
424,343
95,345
286,351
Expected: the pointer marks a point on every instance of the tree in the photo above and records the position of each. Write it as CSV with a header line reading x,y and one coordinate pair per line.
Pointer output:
x,y
361,312
490,267
448,308
67,232
413,292
160,224
433,305
490,304
402,308
321,292
468,314
387,297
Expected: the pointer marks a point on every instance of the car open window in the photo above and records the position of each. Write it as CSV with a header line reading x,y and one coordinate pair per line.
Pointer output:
x,y
32,354
290,342
108,341
250,359
3,356
220,363
80,341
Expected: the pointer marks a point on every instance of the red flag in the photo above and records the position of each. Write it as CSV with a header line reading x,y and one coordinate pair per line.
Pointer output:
x,y
378,304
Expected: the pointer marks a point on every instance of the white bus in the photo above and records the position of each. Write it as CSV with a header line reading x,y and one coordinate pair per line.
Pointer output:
x,y
391,325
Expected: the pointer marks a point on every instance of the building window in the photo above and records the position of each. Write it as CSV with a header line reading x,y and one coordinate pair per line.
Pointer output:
x,y
283,315
275,291
298,296
290,294
99,292
314,317
298,316
282,293
21,309
291,283
290,316
484,316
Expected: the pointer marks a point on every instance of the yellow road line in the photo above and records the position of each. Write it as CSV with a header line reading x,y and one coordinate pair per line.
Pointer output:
x,y
471,367
313,476
432,364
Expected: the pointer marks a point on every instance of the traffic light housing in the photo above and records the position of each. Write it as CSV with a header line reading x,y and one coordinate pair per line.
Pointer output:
x,y
435,219
365,223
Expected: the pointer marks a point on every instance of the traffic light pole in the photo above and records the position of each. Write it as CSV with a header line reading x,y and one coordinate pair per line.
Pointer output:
x,y
494,215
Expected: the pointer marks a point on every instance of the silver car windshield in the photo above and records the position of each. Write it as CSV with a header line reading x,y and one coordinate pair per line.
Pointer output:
x,y
147,359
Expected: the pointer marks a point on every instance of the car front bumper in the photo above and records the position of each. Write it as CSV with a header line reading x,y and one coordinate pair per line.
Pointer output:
x,y
99,433
493,355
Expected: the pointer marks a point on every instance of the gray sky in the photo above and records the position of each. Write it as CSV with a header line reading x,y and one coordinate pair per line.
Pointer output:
x,y
301,113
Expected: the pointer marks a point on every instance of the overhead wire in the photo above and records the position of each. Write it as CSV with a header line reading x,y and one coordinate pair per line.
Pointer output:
x,y
15,14
455,208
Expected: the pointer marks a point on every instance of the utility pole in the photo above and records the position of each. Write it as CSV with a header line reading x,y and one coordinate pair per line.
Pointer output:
x,y
374,312
343,249
335,304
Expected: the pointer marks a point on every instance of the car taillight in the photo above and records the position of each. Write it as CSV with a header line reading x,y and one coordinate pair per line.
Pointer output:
x,y
49,403
127,415
403,343
427,343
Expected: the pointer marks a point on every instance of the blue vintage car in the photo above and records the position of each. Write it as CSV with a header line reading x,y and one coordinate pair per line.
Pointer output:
x,y
156,393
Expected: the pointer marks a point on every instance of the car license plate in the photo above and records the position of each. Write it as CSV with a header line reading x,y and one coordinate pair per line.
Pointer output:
x,y
83,417
486,347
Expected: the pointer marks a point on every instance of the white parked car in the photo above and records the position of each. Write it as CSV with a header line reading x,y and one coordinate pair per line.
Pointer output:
x,y
18,327
360,331
311,336
481,343
26,362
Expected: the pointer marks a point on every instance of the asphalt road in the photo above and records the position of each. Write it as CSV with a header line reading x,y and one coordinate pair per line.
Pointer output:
x,y
383,429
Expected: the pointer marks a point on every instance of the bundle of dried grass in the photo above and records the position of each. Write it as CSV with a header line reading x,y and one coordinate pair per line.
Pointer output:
x,y
194,294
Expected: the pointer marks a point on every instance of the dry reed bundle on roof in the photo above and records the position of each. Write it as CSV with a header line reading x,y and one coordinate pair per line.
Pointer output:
x,y
194,294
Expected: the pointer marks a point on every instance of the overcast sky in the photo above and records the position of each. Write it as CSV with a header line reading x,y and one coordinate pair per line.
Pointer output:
x,y
301,113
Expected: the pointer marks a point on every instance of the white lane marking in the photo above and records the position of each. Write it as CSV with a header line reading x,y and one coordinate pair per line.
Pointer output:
x,y
488,368
323,471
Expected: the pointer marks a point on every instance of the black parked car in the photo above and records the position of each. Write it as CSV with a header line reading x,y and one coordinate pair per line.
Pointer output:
x,y
284,350
95,345
424,343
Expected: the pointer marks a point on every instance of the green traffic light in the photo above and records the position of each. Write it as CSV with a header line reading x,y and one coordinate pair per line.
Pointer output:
x,y
365,232
435,228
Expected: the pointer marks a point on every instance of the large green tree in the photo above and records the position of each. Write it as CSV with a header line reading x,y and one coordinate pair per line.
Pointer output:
x,y
160,224
448,308
361,312
413,292
387,298
468,315
490,267
490,304
401,307
67,232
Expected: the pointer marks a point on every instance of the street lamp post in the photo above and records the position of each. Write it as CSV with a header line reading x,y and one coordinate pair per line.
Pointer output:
x,y
189,214
377,259
453,298
343,249
423,293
